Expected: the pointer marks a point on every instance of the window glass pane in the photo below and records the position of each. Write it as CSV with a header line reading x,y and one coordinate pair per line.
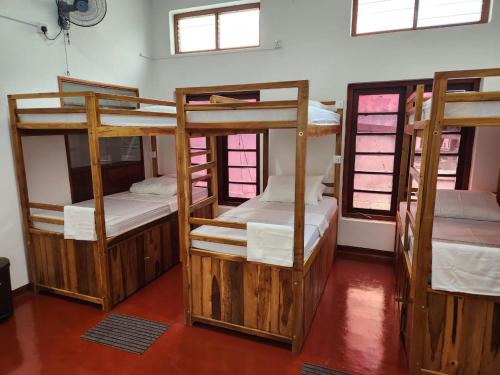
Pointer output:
x,y
239,28
373,182
375,143
383,15
200,184
199,142
378,103
447,164
242,191
248,158
374,163
196,33
242,174
372,201
200,159
447,12
377,123
242,141
450,144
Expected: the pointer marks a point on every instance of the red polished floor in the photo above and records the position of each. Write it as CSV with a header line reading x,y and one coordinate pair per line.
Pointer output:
x,y
355,330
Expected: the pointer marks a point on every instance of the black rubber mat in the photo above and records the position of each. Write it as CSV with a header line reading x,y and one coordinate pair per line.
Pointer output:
x,y
309,369
125,332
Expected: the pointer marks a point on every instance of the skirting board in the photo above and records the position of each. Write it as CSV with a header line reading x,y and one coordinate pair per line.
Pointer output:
x,y
360,253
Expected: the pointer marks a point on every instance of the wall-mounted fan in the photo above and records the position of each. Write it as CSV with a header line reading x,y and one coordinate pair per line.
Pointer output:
x,y
85,13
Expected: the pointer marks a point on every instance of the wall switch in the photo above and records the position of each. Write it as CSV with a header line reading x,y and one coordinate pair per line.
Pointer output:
x,y
338,159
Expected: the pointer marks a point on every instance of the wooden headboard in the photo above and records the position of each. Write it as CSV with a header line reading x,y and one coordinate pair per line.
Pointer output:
x,y
117,175
73,84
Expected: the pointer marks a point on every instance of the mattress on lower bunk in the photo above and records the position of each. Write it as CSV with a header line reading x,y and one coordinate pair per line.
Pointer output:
x,y
279,213
317,116
123,211
465,254
460,110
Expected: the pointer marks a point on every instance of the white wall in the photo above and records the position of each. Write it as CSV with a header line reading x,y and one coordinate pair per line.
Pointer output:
x,y
317,46
108,52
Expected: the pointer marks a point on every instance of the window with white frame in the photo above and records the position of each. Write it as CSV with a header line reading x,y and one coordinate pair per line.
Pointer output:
x,y
218,28
376,16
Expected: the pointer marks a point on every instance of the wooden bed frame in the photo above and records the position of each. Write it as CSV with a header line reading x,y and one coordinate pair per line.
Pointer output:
x,y
107,270
226,290
444,332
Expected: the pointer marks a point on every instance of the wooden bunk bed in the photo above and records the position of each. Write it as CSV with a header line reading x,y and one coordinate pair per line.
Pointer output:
x,y
227,290
109,269
445,330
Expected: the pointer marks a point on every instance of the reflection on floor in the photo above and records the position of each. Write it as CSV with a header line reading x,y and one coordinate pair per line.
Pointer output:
x,y
355,330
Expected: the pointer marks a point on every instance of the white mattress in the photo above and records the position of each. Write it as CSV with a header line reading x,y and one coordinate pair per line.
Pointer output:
x,y
268,212
106,119
317,116
123,211
465,255
459,110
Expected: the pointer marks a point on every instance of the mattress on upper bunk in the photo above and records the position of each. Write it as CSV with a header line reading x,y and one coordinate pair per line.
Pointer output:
x,y
462,109
316,116
465,254
123,211
255,210
109,119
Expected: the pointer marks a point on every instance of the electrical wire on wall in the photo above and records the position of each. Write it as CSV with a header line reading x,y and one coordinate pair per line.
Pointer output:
x,y
44,31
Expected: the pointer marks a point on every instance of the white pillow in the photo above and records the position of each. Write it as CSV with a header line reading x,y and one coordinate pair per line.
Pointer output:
x,y
322,188
282,189
318,104
465,204
164,185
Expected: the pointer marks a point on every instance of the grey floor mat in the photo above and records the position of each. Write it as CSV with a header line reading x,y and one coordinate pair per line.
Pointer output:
x,y
309,369
125,332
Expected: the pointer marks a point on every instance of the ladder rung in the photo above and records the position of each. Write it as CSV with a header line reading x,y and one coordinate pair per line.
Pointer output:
x,y
204,177
415,174
200,152
201,167
202,203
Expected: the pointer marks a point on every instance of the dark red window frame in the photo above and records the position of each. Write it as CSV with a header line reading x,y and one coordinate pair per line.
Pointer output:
x,y
405,88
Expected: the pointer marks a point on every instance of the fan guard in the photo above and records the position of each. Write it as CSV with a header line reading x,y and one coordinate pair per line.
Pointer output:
x,y
84,13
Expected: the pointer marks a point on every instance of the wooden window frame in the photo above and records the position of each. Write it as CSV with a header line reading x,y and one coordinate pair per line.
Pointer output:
x,y
222,152
216,12
485,15
465,151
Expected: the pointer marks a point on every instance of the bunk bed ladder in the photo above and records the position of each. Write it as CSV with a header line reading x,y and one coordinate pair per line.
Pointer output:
x,y
413,175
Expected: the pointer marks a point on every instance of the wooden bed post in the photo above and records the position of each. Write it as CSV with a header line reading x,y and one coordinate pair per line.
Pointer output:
x,y
213,180
102,268
154,156
424,221
265,159
298,246
17,147
183,198
338,152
